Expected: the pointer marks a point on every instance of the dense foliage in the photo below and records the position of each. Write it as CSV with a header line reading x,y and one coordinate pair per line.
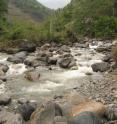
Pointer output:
x,y
92,18
3,7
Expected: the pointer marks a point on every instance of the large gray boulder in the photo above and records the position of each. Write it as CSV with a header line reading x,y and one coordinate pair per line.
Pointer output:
x,y
111,113
32,75
27,46
51,60
65,48
66,62
26,110
86,118
46,114
21,55
10,118
103,49
18,57
107,58
15,60
4,99
100,67
4,68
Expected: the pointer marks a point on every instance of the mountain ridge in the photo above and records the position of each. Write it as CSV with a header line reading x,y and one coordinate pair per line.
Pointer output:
x,y
28,9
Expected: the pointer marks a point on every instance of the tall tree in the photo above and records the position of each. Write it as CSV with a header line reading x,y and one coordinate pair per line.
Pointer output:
x,y
3,7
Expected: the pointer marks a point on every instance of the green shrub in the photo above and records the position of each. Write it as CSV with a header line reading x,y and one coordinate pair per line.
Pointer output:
x,y
100,27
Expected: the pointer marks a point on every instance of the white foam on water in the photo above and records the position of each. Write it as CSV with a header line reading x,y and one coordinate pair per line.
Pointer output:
x,y
71,74
2,88
16,69
46,87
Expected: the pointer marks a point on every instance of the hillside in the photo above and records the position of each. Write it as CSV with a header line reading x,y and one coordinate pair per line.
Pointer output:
x,y
27,9
92,18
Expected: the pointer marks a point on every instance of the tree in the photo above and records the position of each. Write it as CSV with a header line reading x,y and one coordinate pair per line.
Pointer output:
x,y
3,7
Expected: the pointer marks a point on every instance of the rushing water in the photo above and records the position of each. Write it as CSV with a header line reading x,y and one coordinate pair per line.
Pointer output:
x,y
51,82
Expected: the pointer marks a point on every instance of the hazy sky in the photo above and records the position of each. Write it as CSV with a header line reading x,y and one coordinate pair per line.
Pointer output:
x,y
54,4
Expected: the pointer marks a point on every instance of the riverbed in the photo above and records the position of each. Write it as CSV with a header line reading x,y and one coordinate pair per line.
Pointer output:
x,y
51,82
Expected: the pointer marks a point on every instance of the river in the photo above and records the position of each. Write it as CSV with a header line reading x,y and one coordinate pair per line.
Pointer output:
x,y
51,82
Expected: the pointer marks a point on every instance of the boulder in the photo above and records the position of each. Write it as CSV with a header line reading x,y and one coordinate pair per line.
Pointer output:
x,y
27,46
51,61
26,110
114,42
103,49
32,75
10,118
18,57
1,73
22,101
15,60
11,50
46,114
100,67
4,68
60,120
86,118
65,48
31,61
111,113
107,58
21,55
95,107
45,46
4,99
81,45
66,62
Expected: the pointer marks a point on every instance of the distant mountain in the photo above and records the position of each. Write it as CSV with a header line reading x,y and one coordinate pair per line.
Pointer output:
x,y
27,9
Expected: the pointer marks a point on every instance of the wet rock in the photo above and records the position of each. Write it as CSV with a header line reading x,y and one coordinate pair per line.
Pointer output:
x,y
65,48
4,99
107,58
31,61
3,78
1,73
44,55
66,61
114,42
18,57
26,110
45,46
46,114
4,68
111,112
21,55
81,45
103,49
86,118
32,75
27,46
11,50
52,61
10,118
95,107
101,67
23,101
15,60
60,120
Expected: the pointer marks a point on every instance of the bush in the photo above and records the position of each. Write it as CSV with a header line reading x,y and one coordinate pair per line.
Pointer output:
x,y
114,53
100,27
